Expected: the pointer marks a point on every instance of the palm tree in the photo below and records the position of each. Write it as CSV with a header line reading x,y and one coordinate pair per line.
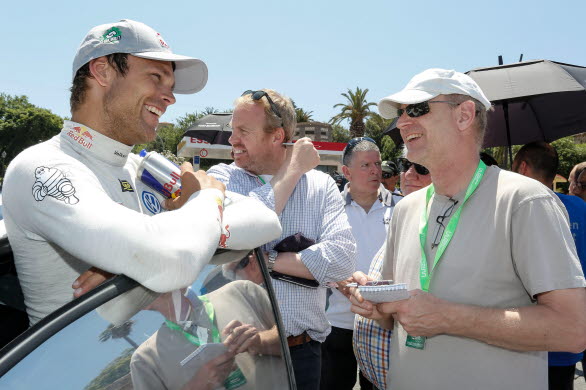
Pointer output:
x,y
356,110
302,115
118,332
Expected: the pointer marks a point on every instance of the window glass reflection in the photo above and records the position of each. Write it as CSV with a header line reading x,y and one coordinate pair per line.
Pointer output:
x,y
219,333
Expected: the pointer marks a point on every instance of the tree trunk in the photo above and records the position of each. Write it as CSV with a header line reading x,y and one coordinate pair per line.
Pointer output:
x,y
131,342
357,129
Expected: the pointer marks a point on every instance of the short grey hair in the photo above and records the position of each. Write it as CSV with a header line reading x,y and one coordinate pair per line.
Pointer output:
x,y
481,118
362,146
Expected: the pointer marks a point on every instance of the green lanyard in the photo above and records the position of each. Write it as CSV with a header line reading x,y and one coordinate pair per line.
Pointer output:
x,y
192,338
418,342
236,378
424,273
261,179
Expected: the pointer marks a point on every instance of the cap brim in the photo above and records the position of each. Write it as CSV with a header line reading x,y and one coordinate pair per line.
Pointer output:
x,y
388,106
191,74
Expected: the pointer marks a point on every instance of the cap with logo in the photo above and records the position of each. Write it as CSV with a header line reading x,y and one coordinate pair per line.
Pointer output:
x,y
140,40
390,167
429,84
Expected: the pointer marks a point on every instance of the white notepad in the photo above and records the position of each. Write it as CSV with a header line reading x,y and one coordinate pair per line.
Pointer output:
x,y
382,291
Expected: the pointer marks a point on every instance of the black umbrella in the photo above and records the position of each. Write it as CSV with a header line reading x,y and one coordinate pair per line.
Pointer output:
x,y
533,101
213,128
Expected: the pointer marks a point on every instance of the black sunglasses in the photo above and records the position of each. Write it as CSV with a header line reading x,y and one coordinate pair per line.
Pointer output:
x,y
387,175
419,109
355,141
257,95
405,164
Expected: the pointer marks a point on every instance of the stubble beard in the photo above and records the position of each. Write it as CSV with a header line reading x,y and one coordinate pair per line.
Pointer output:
x,y
120,123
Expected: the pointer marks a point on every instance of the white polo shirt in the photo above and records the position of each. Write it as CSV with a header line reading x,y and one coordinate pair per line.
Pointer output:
x,y
370,231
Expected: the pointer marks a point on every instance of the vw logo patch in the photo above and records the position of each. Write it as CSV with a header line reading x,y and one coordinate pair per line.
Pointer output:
x,y
151,202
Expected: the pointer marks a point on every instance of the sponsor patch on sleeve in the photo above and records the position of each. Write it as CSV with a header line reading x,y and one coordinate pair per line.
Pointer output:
x,y
52,182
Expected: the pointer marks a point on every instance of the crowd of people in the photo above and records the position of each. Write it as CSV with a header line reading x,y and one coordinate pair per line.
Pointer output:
x,y
492,259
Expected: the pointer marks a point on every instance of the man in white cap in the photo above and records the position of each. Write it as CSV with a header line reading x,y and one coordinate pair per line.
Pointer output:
x,y
74,201
488,255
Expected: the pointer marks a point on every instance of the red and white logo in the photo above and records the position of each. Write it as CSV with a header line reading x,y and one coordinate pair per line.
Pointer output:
x,y
82,136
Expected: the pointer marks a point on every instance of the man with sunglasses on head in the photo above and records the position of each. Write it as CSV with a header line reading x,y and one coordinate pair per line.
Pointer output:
x,y
307,202
368,206
488,255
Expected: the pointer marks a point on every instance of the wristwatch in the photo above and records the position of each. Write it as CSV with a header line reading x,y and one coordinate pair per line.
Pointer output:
x,y
272,258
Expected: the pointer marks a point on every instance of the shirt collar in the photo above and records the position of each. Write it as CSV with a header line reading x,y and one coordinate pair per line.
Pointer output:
x,y
384,196
86,140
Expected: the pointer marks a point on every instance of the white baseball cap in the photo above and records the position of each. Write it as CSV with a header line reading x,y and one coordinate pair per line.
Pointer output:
x,y
140,40
429,84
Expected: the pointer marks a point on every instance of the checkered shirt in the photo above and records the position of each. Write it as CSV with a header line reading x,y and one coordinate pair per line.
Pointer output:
x,y
316,210
372,344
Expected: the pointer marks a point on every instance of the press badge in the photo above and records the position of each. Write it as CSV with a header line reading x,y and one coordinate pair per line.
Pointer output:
x,y
417,342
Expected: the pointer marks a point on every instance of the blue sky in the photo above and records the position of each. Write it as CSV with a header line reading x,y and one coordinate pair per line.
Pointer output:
x,y
309,50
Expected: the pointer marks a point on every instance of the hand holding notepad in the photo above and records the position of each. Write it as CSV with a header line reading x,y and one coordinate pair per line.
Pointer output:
x,y
380,291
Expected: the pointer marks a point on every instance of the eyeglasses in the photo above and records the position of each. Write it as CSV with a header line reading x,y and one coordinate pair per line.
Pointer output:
x,y
355,141
257,95
405,164
419,109
440,220
387,175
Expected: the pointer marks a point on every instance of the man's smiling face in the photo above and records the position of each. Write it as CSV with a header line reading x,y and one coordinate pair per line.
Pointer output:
x,y
252,146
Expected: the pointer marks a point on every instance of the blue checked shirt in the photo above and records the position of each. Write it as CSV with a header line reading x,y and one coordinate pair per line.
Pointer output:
x,y
372,344
316,210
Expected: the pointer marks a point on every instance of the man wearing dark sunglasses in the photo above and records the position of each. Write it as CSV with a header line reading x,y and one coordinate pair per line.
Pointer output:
x,y
488,255
413,176
308,202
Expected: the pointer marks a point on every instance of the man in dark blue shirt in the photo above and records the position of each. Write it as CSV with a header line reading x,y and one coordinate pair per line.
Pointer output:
x,y
539,160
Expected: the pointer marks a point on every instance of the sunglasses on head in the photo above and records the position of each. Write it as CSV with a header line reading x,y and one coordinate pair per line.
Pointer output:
x,y
355,141
419,109
405,164
257,95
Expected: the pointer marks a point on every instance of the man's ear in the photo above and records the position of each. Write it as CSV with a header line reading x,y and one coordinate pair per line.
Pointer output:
x,y
346,172
466,114
279,135
523,168
102,71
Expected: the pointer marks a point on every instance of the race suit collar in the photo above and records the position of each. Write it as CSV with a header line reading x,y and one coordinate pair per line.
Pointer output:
x,y
86,140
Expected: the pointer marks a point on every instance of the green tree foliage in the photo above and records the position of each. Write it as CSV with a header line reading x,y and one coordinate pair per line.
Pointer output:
x,y
570,154
117,369
118,332
340,134
356,109
22,124
302,115
376,125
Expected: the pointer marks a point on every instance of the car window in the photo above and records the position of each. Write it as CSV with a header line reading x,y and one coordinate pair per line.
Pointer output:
x,y
221,330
